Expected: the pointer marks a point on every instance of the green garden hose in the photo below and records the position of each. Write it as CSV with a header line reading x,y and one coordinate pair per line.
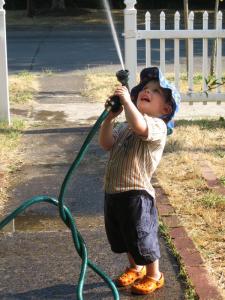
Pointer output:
x,y
68,218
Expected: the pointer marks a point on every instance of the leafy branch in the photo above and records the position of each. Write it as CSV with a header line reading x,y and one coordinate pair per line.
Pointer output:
x,y
213,83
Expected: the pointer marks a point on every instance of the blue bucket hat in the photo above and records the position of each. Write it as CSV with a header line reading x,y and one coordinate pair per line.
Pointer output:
x,y
153,73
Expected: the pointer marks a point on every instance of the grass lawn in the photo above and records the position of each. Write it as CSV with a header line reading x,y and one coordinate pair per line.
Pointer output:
x,y
9,156
22,87
76,16
201,210
21,90
67,18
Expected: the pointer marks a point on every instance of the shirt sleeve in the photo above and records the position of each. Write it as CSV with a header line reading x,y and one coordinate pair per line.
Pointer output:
x,y
157,129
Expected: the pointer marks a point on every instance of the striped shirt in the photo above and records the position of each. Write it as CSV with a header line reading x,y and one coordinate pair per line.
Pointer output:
x,y
133,159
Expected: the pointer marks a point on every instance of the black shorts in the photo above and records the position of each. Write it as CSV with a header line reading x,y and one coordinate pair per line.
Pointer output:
x,y
131,223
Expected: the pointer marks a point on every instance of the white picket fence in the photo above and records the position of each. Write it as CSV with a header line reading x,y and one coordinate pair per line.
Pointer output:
x,y
132,35
4,93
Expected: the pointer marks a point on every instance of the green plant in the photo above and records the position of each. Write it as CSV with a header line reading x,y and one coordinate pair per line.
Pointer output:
x,y
47,71
212,83
212,200
197,78
22,87
25,74
222,180
220,153
190,293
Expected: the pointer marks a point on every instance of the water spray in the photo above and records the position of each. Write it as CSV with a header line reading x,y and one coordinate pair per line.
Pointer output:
x,y
113,30
122,75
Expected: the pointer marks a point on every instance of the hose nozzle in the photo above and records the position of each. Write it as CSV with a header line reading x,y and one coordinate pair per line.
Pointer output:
x,y
123,78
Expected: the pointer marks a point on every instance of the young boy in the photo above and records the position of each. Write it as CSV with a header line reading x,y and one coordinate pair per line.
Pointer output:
x,y
136,147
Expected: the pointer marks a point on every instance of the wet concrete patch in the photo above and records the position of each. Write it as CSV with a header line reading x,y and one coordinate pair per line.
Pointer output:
x,y
45,115
48,157
72,111
39,223
93,118
53,145
84,193
20,112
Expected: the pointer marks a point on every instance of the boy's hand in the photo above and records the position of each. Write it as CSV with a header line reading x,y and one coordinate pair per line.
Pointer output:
x,y
112,115
123,93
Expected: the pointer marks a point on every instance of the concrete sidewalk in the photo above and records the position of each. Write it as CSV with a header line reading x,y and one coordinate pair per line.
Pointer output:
x,y
39,261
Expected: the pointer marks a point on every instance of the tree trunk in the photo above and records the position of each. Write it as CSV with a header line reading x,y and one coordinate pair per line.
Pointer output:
x,y
30,8
11,4
186,12
71,3
58,5
213,56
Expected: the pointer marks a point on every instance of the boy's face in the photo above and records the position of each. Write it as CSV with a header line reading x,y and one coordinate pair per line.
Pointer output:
x,y
151,100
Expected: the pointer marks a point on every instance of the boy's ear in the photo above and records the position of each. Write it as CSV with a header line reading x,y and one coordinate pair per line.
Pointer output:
x,y
167,109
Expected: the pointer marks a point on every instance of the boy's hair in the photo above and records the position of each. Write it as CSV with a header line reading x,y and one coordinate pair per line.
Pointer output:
x,y
152,74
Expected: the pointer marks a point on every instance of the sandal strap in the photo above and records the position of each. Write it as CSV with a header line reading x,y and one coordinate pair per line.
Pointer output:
x,y
153,280
130,271
135,270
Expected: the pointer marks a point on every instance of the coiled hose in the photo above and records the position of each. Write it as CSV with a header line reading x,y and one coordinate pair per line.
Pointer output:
x,y
68,218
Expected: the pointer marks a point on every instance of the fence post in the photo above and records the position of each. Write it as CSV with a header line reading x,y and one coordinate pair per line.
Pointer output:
x,y
148,41
177,51
4,90
190,53
130,32
219,50
205,58
162,43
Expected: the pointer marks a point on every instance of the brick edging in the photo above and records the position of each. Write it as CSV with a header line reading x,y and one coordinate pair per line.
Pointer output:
x,y
211,179
190,256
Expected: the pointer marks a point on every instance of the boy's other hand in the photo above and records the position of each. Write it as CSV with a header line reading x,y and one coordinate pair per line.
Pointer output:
x,y
123,93
112,115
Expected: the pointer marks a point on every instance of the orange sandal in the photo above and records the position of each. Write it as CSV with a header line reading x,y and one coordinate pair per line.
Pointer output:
x,y
130,276
147,285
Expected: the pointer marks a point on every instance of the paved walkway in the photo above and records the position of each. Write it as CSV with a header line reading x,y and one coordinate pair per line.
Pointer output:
x,y
38,261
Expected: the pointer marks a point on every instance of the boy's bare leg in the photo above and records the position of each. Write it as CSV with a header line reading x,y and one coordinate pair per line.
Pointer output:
x,y
133,264
153,270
